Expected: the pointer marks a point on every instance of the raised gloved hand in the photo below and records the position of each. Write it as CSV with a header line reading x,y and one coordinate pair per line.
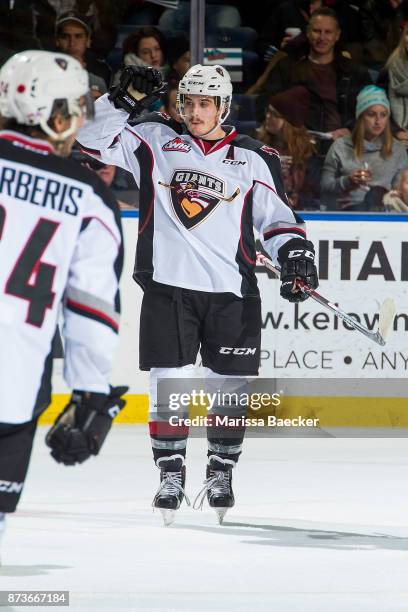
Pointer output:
x,y
138,88
80,430
296,258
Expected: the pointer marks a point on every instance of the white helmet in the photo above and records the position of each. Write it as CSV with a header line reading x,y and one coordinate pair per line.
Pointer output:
x,y
34,84
208,81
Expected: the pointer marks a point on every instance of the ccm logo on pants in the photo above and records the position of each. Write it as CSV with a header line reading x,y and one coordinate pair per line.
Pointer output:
x,y
10,487
228,350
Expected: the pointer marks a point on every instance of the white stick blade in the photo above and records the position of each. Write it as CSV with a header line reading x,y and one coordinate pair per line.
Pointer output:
x,y
168,516
386,318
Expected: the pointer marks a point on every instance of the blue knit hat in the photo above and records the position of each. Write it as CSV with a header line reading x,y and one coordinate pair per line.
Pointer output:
x,y
369,96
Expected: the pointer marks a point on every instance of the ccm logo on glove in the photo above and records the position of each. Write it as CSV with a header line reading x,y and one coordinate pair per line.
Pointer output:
x,y
301,253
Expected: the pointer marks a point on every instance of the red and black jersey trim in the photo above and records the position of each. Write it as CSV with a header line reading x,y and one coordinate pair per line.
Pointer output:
x,y
164,429
143,270
283,230
272,161
92,313
246,252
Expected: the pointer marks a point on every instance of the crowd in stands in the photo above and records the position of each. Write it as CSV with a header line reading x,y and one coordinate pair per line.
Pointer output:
x,y
324,82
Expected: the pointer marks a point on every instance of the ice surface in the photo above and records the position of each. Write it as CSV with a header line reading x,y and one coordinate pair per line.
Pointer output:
x,y
320,525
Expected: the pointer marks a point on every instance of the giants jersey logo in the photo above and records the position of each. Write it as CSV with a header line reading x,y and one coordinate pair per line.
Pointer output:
x,y
195,195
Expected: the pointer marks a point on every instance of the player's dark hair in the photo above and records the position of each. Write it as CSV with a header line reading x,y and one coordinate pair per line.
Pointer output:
x,y
60,107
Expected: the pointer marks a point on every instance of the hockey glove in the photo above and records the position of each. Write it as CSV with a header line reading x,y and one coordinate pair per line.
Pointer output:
x,y
80,430
296,258
138,88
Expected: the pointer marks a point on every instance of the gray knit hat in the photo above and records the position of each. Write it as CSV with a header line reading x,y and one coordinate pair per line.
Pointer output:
x,y
369,96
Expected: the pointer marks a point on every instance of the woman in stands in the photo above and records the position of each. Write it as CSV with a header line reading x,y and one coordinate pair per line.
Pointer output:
x,y
397,72
360,168
146,47
283,129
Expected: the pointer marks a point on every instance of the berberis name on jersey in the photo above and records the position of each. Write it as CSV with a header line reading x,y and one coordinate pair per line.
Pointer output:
x,y
39,190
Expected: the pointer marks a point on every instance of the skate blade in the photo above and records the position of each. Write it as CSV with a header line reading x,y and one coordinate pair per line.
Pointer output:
x,y
221,512
168,516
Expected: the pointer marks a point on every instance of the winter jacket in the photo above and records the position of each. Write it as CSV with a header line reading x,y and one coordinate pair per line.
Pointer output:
x,y
340,162
351,77
398,92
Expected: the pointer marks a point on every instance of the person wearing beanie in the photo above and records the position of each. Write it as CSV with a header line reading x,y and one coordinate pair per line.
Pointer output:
x,y
284,129
368,162
371,96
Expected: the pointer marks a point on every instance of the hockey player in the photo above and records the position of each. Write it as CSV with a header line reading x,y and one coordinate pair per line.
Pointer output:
x,y
203,188
60,242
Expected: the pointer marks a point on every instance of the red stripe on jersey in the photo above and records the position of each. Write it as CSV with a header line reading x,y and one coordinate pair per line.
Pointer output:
x,y
284,230
207,147
92,311
164,428
224,142
266,185
90,151
29,143
105,226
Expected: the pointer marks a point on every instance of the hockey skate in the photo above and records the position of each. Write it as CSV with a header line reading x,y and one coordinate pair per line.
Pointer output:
x,y
171,492
217,487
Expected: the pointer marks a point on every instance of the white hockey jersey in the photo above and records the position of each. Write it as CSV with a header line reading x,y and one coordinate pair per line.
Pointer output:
x,y
197,208
60,240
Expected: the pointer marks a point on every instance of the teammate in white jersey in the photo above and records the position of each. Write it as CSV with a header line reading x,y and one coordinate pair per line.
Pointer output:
x,y
203,188
60,243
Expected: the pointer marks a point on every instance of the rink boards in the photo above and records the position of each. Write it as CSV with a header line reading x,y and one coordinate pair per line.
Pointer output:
x,y
334,372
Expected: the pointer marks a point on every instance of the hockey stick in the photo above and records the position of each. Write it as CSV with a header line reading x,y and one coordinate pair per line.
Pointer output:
x,y
232,197
385,319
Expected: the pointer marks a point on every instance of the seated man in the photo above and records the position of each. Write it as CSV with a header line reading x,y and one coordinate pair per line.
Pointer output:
x,y
332,79
73,36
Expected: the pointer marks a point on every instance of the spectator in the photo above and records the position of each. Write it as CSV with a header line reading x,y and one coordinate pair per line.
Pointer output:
x,y
179,58
367,162
108,173
397,70
170,102
332,79
396,200
284,130
73,36
146,47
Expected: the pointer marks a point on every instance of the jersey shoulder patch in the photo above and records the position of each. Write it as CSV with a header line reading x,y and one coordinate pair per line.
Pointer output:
x,y
251,144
